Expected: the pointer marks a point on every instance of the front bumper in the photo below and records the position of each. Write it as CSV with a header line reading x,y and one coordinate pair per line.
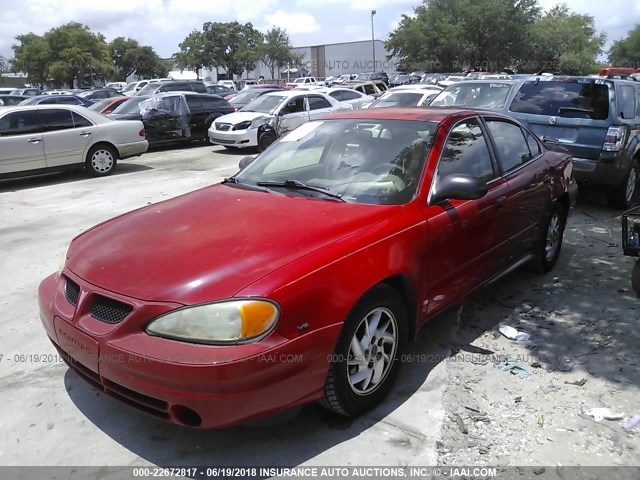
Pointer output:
x,y
234,138
194,385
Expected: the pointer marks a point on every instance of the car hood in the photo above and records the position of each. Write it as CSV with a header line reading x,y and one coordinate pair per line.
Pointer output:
x,y
238,117
211,243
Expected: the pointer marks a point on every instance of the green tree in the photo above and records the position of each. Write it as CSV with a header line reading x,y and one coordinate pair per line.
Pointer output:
x,y
234,46
31,56
446,35
194,53
276,50
626,52
563,41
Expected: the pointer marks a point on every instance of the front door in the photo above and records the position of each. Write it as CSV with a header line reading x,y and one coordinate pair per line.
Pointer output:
x,y
293,114
467,238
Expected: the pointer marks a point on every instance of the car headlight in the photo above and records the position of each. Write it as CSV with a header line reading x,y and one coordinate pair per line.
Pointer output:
x,y
63,259
243,125
231,321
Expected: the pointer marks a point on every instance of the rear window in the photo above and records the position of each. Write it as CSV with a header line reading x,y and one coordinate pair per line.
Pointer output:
x,y
480,95
563,99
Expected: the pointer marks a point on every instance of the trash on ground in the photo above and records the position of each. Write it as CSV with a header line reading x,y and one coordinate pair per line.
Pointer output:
x,y
578,383
515,369
550,388
461,425
541,421
600,414
632,423
536,365
513,334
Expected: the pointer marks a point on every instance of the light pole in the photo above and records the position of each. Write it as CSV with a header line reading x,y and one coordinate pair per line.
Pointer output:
x,y
373,42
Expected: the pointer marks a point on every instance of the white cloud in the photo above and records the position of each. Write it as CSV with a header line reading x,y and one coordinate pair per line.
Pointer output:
x,y
293,22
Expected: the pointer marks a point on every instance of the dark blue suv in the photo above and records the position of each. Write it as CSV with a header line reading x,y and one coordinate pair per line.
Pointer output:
x,y
596,119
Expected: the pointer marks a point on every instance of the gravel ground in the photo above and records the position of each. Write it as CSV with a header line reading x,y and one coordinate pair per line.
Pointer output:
x,y
582,354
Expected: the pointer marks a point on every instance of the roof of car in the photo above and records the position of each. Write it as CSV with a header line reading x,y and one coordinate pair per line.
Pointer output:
x,y
436,114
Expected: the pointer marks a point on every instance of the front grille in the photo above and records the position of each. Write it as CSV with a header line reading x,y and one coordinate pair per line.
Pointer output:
x,y
223,126
109,311
71,291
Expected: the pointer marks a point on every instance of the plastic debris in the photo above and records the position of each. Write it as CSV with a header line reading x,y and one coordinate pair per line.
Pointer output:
x,y
577,383
541,421
463,428
515,369
600,414
631,424
513,334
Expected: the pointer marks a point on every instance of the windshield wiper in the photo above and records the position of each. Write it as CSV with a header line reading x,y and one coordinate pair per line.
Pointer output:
x,y
235,181
575,109
298,185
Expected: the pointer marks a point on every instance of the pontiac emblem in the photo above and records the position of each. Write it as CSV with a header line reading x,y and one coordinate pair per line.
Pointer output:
x,y
552,120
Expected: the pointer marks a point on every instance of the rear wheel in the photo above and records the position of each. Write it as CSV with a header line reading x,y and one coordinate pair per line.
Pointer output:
x,y
265,139
365,362
101,160
551,241
623,195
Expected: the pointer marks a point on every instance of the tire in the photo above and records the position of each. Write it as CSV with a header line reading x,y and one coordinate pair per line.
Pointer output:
x,y
265,139
101,160
550,242
623,196
635,277
351,386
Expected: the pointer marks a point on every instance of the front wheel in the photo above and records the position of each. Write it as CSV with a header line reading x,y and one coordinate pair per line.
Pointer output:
x,y
365,362
551,241
265,139
622,196
101,160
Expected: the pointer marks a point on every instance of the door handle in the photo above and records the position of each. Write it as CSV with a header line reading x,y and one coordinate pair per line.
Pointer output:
x,y
500,202
34,140
84,134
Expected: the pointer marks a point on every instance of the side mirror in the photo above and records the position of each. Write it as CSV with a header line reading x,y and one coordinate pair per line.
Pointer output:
x,y
458,187
245,162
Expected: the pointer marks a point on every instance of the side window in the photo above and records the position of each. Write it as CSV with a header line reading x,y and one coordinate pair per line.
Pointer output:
x,y
193,102
67,101
174,87
56,120
338,95
466,152
316,102
359,89
20,123
79,121
369,89
349,95
511,146
534,145
100,95
626,101
294,105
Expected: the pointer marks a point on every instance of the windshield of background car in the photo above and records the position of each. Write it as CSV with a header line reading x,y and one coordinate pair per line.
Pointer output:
x,y
399,99
363,161
149,89
265,103
130,106
130,86
586,99
100,104
480,95
245,97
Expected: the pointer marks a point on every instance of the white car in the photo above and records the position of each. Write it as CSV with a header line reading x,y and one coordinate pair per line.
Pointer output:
x,y
228,83
270,116
134,87
39,138
347,95
119,86
406,97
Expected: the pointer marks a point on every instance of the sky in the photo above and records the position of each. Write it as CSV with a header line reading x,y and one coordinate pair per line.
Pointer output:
x,y
163,24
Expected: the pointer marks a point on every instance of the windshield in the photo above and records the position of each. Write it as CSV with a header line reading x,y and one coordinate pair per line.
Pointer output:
x,y
148,89
130,106
31,101
472,94
398,99
130,86
566,99
245,97
265,103
363,161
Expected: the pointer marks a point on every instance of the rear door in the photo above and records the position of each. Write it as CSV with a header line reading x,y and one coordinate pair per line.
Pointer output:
x,y
468,239
21,146
198,116
318,105
529,176
65,139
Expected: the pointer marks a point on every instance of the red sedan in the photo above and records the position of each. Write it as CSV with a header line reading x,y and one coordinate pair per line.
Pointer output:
x,y
302,277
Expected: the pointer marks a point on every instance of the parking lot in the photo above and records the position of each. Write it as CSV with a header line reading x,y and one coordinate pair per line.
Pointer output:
x,y
54,418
